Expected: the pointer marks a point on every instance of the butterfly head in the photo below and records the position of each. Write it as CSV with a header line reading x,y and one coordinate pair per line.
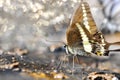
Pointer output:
x,y
67,49
70,50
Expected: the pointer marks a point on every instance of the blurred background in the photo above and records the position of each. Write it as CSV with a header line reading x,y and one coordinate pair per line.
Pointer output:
x,y
38,24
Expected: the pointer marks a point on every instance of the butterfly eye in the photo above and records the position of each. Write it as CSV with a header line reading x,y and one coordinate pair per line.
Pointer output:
x,y
65,46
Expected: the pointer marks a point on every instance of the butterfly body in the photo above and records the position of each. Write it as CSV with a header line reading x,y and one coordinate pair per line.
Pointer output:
x,y
83,38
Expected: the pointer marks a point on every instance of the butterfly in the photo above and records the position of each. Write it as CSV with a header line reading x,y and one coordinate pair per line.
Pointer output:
x,y
83,37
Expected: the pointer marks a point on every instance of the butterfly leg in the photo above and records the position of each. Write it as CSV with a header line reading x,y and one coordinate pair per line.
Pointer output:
x,y
73,65
62,62
74,60
72,69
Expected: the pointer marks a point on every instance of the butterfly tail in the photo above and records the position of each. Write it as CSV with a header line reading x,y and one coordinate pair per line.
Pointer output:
x,y
115,43
114,50
110,44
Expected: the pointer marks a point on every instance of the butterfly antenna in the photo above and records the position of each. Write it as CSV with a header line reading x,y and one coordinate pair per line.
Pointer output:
x,y
54,41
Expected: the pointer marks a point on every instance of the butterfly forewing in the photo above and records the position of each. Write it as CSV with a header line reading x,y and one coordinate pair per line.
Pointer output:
x,y
83,15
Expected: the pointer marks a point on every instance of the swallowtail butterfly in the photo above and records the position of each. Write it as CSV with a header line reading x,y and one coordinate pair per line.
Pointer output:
x,y
83,37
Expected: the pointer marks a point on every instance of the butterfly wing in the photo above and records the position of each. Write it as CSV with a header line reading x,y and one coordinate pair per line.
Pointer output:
x,y
83,32
84,17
